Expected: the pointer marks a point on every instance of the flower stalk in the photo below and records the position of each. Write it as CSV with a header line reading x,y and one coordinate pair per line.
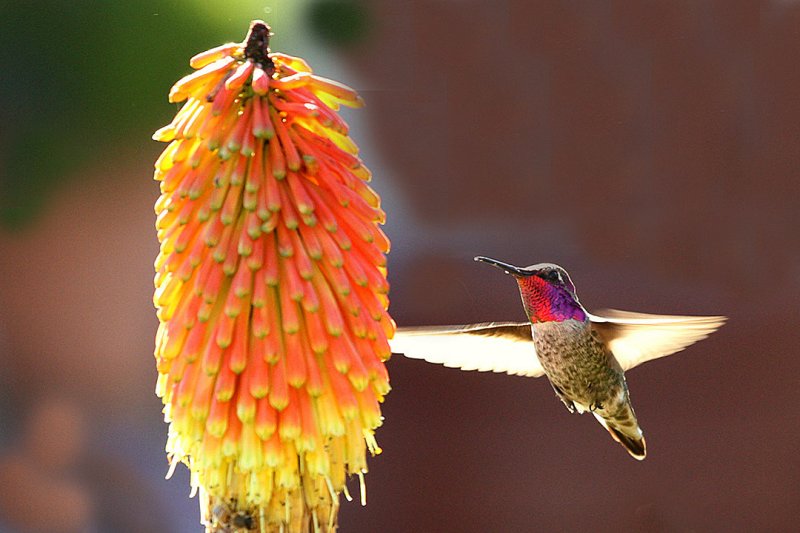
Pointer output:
x,y
271,291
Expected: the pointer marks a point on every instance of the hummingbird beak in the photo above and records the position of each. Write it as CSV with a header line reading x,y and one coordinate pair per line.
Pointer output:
x,y
509,269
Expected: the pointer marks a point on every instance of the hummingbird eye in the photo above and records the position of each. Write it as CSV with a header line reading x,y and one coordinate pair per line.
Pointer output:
x,y
552,276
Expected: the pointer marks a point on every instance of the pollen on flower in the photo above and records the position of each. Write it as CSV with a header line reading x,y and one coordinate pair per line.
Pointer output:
x,y
270,291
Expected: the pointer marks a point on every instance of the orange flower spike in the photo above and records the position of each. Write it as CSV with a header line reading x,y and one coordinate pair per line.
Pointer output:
x,y
261,81
187,311
176,128
201,398
292,288
369,408
358,324
193,345
376,281
282,241
342,240
292,63
337,278
380,346
212,357
340,354
266,419
334,322
243,127
249,145
272,454
255,169
271,188
343,392
310,153
332,254
233,200
350,195
259,374
187,383
245,401
223,100
323,210
310,242
314,383
303,264
197,119
326,117
251,457
296,109
254,246
245,243
310,301
262,122
356,273
279,386
271,346
271,264
225,386
339,91
237,355
214,127
208,75
290,318
230,255
241,286
290,222
270,289
277,157
291,156
301,79
216,201
239,76
262,210
299,193
217,421
209,56
356,225
295,360
231,441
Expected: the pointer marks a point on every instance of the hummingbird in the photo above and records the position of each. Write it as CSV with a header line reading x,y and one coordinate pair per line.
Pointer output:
x,y
583,355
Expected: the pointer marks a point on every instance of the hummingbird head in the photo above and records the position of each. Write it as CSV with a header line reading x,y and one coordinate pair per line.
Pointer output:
x,y
547,291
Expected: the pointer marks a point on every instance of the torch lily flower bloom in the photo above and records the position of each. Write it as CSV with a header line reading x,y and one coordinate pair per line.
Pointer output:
x,y
271,290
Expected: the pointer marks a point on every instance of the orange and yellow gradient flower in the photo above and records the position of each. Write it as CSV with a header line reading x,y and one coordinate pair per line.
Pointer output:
x,y
271,290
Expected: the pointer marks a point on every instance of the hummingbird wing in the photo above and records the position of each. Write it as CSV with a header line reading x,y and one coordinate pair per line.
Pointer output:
x,y
635,338
496,346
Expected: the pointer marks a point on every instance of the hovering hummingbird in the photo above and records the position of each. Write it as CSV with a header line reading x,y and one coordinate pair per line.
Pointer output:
x,y
583,355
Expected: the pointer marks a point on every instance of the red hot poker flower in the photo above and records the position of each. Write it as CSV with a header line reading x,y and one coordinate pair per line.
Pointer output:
x,y
270,288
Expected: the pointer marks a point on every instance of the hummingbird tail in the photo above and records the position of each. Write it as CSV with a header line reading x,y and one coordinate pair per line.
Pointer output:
x,y
629,435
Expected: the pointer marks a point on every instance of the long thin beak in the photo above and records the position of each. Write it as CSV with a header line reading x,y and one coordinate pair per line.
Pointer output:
x,y
509,269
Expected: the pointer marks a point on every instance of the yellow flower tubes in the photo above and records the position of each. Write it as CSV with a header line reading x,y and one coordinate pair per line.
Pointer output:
x,y
271,291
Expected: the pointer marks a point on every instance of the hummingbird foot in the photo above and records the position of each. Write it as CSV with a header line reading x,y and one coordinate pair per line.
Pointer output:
x,y
569,405
596,406
566,401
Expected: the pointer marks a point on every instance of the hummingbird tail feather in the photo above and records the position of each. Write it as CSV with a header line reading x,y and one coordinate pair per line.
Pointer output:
x,y
630,437
635,445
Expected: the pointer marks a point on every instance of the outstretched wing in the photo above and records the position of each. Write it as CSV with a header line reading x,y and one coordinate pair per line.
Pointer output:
x,y
496,346
635,338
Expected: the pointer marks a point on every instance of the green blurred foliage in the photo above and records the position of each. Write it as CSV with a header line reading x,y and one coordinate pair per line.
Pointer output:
x,y
82,80
339,22
79,78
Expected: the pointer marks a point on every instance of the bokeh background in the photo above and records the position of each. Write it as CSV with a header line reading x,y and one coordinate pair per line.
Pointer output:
x,y
651,148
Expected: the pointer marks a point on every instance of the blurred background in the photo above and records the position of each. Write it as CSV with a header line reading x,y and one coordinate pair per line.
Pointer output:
x,y
650,148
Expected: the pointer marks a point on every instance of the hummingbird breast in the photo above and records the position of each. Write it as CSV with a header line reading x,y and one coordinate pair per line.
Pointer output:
x,y
580,366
